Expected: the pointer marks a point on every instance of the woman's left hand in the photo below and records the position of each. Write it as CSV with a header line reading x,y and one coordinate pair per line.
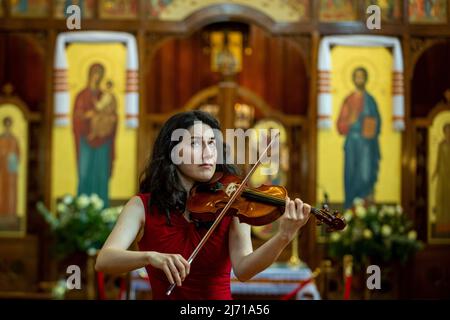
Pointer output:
x,y
296,215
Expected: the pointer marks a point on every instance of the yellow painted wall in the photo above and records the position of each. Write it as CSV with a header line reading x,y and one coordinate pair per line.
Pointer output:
x,y
378,62
123,183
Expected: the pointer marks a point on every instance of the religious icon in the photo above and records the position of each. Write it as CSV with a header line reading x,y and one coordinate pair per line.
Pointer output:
x,y
360,122
364,146
155,7
442,177
29,8
278,177
13,160
211,108
302,7
94,148
391,10
86,7
94,126
119,9
226,52
439,172
9,167
244,115
428,11
337,10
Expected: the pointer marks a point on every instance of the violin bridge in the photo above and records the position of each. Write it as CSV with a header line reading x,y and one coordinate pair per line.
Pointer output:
x,y
231,188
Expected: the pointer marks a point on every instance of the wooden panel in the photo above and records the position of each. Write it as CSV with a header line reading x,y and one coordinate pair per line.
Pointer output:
x,y
430,79
431,274
18,264
275,71
3,39
23,63
24,67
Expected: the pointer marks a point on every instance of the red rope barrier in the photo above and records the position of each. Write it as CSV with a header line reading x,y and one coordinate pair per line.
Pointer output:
x,y
292,294
101,285
348,287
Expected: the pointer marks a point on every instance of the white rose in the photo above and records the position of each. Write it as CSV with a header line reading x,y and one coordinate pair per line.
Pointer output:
x,y
390,211
98,203
109,215
92,251
68,199
367,234
94,197
348,215
335,236
373,209
358,202
386,230
412,235
59,290
83,201
360,212
61,208
399,209
104,212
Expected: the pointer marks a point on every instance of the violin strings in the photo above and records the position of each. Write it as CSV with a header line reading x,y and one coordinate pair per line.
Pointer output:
x,y
263,196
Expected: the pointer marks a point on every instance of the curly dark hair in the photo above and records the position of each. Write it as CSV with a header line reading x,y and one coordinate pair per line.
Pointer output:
x,y
160,175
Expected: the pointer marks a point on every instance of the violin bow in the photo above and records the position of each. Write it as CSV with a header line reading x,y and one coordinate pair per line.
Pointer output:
x,y
225,209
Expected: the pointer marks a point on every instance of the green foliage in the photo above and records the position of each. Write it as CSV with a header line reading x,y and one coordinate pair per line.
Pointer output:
x,y
375,233
80,223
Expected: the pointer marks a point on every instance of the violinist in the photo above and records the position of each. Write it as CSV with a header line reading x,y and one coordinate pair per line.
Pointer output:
x,y
166,233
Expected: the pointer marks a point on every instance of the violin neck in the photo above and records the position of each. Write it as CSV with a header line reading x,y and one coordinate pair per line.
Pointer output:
x,y
333,220
271,200
263,198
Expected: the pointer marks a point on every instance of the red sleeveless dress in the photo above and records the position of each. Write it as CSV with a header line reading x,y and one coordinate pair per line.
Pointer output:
x,y
209,277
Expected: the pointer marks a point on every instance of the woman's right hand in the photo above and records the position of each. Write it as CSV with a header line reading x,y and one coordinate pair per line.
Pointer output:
x,y
174,266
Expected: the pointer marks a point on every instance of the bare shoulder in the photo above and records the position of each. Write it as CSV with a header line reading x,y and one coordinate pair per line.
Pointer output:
x,y
129,225
136,202
134,209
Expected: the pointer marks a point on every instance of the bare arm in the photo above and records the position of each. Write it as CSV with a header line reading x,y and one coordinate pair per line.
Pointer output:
x,y
115,256
246,262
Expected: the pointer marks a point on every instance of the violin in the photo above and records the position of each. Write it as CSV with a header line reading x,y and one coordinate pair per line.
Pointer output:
x,y
255,206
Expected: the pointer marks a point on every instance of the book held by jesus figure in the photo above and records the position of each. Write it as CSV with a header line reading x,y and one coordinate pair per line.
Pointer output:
x,y
369,127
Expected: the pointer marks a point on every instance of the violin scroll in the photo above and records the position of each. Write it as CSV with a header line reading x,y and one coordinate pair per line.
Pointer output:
x,y
333,219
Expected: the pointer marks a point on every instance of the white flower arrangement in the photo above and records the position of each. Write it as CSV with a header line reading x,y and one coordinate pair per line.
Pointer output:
x,y
376,233
80,223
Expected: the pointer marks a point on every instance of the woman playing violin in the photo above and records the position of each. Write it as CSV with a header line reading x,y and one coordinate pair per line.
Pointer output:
x,y
166,234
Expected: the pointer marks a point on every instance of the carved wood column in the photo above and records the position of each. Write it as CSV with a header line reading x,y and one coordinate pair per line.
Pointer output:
x,y
227,99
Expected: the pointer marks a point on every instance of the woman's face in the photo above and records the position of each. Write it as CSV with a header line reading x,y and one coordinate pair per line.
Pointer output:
x,y
198,149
